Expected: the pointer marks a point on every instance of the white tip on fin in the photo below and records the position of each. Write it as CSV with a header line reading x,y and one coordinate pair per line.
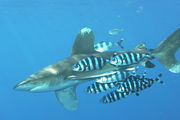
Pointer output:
x,y
175,69
85,30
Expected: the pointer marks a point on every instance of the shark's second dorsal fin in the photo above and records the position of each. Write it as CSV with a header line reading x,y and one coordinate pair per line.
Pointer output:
x,y
141,46
67,98
84,42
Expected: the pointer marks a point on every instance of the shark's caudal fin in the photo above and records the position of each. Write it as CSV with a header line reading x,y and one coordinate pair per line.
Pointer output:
x,y
84,42
67,98
165,52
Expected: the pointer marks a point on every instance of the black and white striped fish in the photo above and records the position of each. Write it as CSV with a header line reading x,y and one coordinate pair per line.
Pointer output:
x,y
114,96
89,64
133,85
105,46
117,76
129,58
96,88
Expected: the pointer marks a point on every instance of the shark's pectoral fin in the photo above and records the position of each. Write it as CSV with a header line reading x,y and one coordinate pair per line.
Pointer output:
x,y
84,42
67,98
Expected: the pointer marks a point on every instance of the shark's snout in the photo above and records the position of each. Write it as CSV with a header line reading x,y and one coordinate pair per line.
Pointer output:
x,y
42,81
24,86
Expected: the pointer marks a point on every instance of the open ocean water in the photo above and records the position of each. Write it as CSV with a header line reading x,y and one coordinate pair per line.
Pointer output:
x,y
37,33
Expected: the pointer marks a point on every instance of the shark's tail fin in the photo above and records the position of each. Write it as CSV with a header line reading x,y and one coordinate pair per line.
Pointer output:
x,y
165,52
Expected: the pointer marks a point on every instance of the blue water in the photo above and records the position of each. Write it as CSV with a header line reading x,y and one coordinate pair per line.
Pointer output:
x,y
37,33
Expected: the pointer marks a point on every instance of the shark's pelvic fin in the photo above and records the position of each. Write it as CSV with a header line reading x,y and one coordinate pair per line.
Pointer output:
x,y
84,42
67,98
165,52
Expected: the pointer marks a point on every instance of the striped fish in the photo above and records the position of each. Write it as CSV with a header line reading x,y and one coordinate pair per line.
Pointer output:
x,y
133,85
118,75
96,88
105,46
114,96
128,58
89,64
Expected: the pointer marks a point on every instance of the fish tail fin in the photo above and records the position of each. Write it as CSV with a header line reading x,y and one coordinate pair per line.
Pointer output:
x,y
165,52
120,42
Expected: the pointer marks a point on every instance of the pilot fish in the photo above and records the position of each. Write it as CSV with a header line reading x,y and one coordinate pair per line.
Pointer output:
x,y
89,63
119,75
96,88
105,46
133,85
115,31
128,58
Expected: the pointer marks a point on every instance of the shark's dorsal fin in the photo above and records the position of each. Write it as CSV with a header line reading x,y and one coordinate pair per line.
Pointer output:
x,y
141,46
84,42
67,98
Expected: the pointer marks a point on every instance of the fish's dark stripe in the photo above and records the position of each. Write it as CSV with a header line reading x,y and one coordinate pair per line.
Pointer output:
x,y
104,88
138,57
129,54
128,59
116,77
101,62
137,86
105,61
135,56
122,94
93,63
121,58
109,85
122,75
112,96
126,87
132,57
117,95
82,62
88,64
97,86
141,56
94,89
126,62
132,85
109,98
141,85
127,83
98,63
89,89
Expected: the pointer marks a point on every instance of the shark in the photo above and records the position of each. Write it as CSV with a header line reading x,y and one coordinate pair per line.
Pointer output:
x,y
60,78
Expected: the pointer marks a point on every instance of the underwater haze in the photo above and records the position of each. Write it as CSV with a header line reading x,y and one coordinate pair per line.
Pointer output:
x,y
37,33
